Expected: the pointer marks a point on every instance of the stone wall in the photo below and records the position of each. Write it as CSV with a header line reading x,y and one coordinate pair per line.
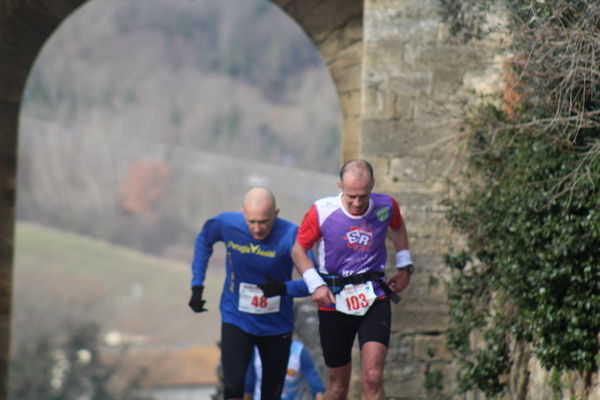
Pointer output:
x,y
416,80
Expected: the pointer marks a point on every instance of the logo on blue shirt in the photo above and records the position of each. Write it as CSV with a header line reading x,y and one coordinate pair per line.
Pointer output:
x,y
251,249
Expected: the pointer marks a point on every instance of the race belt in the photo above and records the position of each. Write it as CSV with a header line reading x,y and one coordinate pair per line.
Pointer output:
x,y
337,283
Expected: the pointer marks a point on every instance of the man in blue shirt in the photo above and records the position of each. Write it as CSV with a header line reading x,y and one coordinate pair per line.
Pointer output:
x,y
300,370
254,312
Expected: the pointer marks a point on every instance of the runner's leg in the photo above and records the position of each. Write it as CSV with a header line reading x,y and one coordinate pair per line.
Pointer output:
x,y
236,351
372,360
337,332
373,338
338,382
274,354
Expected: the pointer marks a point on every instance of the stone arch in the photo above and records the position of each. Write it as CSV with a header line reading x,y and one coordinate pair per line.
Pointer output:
x,y
402,83
335,26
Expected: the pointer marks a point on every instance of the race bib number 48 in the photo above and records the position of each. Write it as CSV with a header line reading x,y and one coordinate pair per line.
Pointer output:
x,y
253,301
355,299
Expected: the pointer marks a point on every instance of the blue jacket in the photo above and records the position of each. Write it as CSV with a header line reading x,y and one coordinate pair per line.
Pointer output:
x,y
249,260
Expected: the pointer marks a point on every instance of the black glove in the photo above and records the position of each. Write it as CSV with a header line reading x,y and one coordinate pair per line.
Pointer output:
x,y
196,303
271,287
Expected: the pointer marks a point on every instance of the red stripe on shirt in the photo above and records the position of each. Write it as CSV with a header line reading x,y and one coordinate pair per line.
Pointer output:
x,y
309,231
396,216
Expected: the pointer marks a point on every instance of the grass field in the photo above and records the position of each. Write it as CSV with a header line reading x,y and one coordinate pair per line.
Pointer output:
x,y
61,278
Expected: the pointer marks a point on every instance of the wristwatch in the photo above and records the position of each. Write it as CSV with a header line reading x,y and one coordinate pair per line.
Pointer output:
x,y
409,267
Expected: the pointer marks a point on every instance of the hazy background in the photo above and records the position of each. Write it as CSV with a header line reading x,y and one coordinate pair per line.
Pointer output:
x,y
141,119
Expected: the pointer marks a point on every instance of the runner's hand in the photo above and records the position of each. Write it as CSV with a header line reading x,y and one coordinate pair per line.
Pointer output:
x,y
323,296
196,303
272,287
399,281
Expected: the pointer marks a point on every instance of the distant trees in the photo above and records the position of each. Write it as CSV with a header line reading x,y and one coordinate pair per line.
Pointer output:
x,y
178,82
180,73
71,370
145,184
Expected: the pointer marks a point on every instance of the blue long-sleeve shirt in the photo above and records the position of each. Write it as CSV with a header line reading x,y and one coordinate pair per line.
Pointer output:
x,y
249,261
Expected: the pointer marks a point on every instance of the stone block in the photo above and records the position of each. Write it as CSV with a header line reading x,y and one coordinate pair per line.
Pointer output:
x,y
401,349
12,84
15,56
321,18
61,8
380,168
377,104
446,81
412,316
487,80
404,381
427,285
9,114
351,138
350,36
28,26
346,77
450,57
436,164
383,56
427,215
395,138
431,347
342,57
350,102
429,244
412,20
409,85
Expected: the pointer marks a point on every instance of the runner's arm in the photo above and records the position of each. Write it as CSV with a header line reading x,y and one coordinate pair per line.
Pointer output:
x,y
203,249
320,293
400,280
297,288
301,258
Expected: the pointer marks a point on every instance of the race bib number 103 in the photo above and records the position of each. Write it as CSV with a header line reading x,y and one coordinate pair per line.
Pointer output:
x,y
355,299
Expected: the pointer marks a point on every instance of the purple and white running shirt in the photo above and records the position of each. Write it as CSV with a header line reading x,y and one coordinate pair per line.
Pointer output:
x,y
350,244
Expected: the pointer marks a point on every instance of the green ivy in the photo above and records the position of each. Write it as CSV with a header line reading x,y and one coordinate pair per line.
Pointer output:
x,y
538,252
531,216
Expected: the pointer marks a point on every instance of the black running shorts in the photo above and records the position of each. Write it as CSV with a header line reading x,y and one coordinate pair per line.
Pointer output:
x,y
338,330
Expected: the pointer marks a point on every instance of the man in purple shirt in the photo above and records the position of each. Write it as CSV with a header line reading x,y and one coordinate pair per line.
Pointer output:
x,y
350,287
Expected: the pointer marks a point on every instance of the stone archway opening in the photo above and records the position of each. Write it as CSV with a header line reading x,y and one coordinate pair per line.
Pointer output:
x,y
334,27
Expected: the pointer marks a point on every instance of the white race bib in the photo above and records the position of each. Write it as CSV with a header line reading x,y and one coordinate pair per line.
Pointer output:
x,y
355,299
253,301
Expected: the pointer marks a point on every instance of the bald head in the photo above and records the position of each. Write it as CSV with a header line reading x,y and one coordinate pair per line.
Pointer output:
x,y
259,197
356,182
357,169
260,211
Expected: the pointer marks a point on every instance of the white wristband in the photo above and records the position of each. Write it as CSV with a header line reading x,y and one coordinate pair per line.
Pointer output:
x,y
403,259
313,279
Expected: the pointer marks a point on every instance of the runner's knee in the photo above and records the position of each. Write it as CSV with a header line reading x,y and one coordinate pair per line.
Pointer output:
x,y
372,377
336,391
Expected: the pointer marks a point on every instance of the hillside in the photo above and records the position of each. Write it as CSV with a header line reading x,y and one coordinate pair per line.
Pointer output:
x,y
141,119
60,278
229,77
